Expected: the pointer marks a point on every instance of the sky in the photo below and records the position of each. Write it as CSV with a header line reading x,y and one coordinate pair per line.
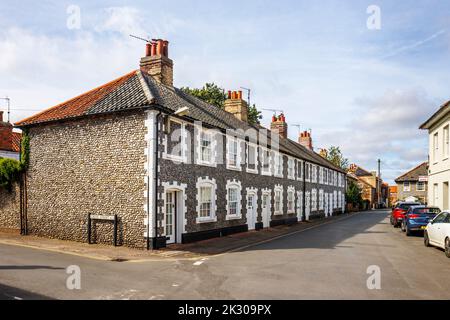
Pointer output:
x,y
364,89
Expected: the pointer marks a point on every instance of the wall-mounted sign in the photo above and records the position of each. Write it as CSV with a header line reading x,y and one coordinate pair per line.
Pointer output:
x,y
423,179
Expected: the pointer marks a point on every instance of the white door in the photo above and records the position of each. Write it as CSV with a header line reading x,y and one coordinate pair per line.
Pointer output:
x,y
326,205
251,211
307,205
300,206
266,210
170,217
330,205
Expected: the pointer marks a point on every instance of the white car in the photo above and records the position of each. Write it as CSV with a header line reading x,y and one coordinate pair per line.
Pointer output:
x,y
437,232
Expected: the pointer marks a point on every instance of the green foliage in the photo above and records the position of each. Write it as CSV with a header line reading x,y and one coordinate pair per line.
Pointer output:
x,y
10,170
213,94
354,194
335,155
25,151
210,93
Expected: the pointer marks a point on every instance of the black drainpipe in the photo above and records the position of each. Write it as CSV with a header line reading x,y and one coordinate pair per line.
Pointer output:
x,y
304,192
155,208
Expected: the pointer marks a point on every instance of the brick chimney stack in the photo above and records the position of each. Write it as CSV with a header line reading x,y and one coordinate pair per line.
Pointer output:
x,y
156,62
5,134
306,140
279,125
236,105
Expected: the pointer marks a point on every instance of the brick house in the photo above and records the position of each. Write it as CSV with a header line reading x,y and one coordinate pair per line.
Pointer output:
x,y
413,184
173,168
9,140
393,195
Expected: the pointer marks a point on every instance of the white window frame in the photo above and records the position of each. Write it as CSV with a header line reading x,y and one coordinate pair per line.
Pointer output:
x,y
237,186
291,168
278,189
210,183
183,139
307,171
278,164
291,194
213,160
406,186
299,205
300,164
314,199
435,147
314,173
252,145
422,183
264,153
321,199
446,142
325,176
233,140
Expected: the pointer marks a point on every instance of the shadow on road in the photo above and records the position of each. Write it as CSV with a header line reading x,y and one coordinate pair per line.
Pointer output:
x,y
11,293
28,268
328,236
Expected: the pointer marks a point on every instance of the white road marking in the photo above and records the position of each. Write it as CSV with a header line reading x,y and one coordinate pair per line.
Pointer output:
x,y
200,262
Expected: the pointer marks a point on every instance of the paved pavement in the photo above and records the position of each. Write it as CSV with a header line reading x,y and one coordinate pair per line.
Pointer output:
x,y
329,261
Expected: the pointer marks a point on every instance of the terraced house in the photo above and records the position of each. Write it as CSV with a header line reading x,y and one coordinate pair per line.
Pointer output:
x,y
173,168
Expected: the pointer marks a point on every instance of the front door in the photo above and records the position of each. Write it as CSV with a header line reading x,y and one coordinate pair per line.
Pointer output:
x,y
266,210
326,205
170,217
251,211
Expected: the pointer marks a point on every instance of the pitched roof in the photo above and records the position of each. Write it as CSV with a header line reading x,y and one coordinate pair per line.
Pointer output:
x,y
442,111
414,174
138,90
9,140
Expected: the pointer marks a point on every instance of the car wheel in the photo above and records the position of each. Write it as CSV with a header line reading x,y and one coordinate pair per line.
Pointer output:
x,y
447,247
426,240
403,227
392,220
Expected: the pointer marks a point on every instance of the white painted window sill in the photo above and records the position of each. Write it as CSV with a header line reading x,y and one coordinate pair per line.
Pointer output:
x,y
268,174
253,171
206,220
233,168
206,164
278,213
233,217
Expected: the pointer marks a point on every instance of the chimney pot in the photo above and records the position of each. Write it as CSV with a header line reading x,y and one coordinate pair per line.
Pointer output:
x,y
156,62
148,49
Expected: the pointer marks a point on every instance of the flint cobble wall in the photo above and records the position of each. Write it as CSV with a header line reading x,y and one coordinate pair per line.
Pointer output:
x,y
10,209
91,165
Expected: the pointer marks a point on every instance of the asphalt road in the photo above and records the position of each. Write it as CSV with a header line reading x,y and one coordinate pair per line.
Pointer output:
x,y
326,262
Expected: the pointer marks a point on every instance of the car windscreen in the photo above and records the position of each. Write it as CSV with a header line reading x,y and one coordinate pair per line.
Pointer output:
x,y
427,210
405,206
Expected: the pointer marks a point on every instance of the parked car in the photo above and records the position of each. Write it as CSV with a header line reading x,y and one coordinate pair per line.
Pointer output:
x,y
437,233
398,212
417,218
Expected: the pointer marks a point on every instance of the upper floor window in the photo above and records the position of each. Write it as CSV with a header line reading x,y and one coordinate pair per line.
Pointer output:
x,y
291,168
299,169
406,186
206,147
307,171
233,160
420,186
435,146
278,164
325,176
314,173
446,142
175,140
252,158
266,166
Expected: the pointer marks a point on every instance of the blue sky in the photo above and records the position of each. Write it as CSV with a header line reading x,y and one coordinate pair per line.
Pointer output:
x,y
364,90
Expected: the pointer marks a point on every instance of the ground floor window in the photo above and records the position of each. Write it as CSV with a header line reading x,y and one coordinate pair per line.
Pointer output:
x,y
314,200
206,200
278,201
291,200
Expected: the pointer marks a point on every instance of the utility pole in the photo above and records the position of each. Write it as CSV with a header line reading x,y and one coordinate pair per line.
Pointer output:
x,y
8,101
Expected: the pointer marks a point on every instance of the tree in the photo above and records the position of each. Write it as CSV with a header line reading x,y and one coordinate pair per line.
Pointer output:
x,y
335,156
354,194
213,94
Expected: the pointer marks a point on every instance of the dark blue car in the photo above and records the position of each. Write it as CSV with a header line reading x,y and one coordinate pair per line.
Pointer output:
x,y
417,218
